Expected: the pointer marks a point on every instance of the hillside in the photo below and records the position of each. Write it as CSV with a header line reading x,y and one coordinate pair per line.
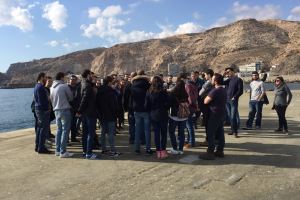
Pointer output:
x,y
275,42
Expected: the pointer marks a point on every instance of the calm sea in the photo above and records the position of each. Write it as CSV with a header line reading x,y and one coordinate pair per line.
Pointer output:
x,y
15,111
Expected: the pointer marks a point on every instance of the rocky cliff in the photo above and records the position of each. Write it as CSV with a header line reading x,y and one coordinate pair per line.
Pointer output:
x,y
275,42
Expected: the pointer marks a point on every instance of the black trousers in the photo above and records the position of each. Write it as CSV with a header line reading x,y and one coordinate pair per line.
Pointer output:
x,y
281,116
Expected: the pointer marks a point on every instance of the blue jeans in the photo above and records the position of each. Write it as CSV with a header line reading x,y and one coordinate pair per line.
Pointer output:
x,y
108,127
43,118
191,131
63,122
215,131
232,110
255,108
142,119
160,134
88,134
172,127
131,123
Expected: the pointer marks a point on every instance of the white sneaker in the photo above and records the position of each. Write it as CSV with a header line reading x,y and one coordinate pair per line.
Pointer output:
x,y
57,153
173,152
180,152
66,155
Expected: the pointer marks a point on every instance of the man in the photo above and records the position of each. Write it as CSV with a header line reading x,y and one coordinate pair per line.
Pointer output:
x,y
192,91
42,112
74,104
48,85
170,83
107,107
61,95
206,88
257,94
216,99
234,91
87,109
128,107
139,88
199,83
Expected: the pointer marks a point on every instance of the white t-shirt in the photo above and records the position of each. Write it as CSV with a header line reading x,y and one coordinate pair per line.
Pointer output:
x,y
256,89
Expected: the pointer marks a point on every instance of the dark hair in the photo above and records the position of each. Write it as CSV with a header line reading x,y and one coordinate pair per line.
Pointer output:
x,y
161,75
280,78
218,78
179,90
210,72
40,76
133,74
196,72
73,76
85,73
48,77
170,75
59,76
229,68
108,80
156,85
182,76
141,72
255,72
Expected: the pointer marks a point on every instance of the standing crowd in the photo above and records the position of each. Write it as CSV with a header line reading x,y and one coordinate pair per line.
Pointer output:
x,y
168,108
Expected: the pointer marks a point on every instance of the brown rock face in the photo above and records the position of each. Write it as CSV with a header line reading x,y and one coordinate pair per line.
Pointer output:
x,y
275,42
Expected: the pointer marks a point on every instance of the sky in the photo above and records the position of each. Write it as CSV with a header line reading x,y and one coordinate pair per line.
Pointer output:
x,y
34,29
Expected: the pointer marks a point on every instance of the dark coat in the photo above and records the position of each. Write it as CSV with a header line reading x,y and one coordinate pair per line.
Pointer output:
x,y
87,104
158,104
174,103
139,88
107,104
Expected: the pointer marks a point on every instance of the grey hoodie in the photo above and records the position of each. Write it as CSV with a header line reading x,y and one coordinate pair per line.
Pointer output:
x,y
60,95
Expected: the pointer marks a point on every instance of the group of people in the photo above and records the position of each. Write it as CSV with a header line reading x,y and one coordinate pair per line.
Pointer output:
x,y
151,104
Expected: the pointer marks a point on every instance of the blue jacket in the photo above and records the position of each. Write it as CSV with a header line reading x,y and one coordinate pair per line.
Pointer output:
x,y
41,101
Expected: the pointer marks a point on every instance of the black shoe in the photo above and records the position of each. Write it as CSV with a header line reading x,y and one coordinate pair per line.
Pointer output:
x,y
247,128
44,151
236,135
74,140
51,136
230,133
137,152
149,152
219,154
207,156
278,130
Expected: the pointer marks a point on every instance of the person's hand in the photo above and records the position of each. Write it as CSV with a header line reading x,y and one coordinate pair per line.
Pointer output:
x,y
78,115
273,107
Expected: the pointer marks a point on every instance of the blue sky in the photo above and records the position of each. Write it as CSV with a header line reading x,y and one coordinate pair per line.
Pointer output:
x,y
34,29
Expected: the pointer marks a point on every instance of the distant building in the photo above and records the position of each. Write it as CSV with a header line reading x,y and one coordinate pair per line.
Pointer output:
x,y
246,70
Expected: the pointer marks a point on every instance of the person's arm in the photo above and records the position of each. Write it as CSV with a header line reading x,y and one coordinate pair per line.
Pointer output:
x,y
240,89
69,93
290,95
207,100
86,94
263,92
43,98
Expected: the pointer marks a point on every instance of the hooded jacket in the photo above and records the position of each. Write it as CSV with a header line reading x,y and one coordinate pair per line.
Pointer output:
x,y
60,95
107,104
139,88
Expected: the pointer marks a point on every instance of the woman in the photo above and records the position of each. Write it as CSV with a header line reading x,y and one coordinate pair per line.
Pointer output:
x,y
157,103
282,99
178,118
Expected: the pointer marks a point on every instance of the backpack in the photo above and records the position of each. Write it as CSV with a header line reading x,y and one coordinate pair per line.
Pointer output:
x,y
183,110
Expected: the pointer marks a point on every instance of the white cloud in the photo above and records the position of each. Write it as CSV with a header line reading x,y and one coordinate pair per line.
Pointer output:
x,y
63,43
56,13
52,43
94,12
14,13
245,11
188,27
109,26
295,14
222,21
197,16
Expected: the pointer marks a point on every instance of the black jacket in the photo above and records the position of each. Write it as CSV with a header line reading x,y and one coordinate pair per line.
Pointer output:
x,y
174,104
107,104
76,97
87,104
158,104
234,88
139,88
